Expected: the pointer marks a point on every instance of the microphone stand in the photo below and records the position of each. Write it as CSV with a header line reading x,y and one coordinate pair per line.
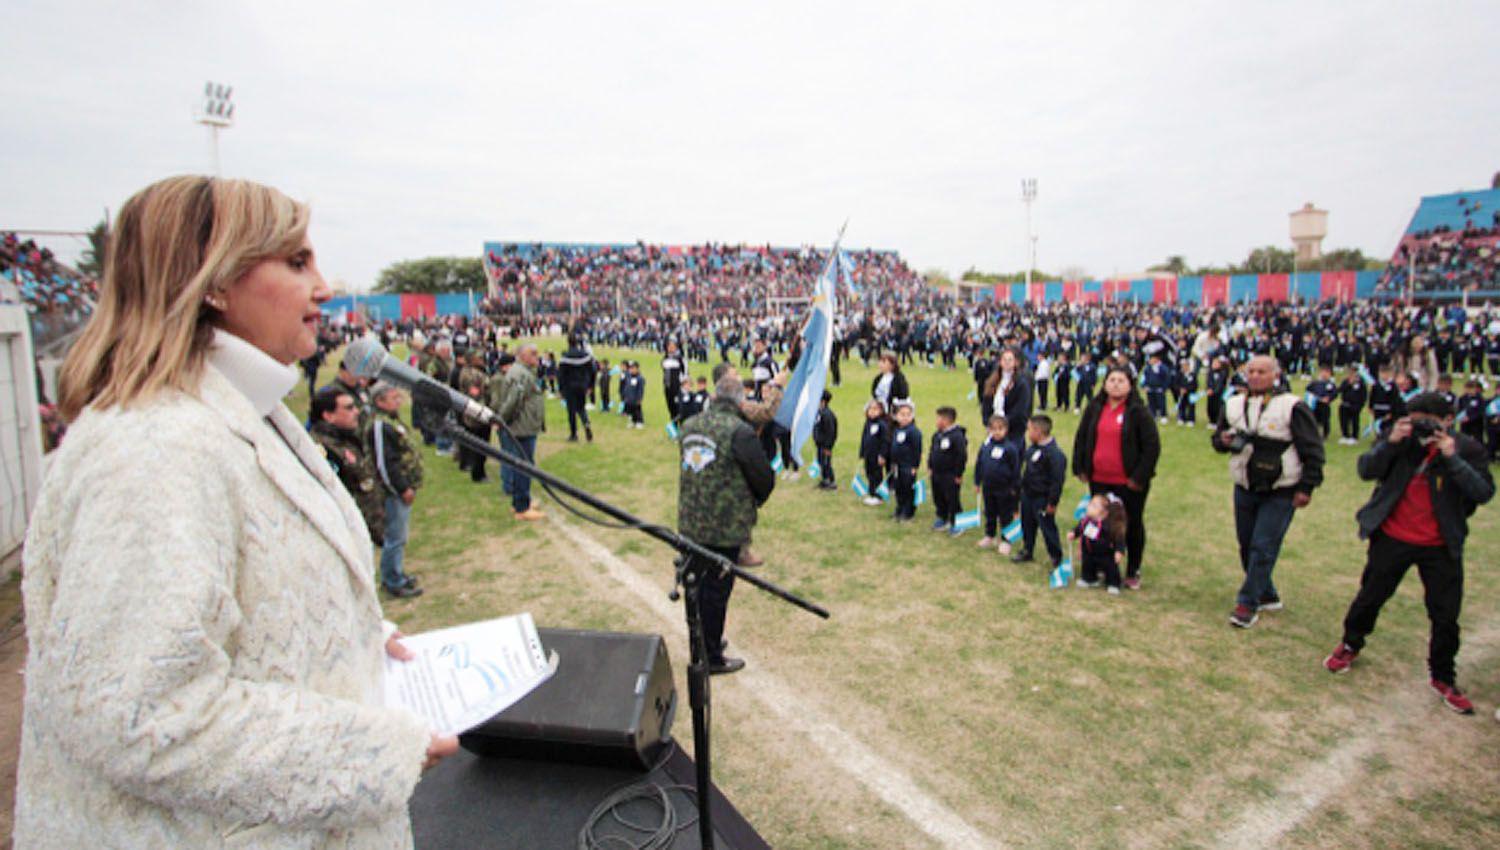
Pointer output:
x,y
693,563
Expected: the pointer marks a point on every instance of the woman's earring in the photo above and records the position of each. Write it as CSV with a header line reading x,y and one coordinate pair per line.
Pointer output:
x,y
216,303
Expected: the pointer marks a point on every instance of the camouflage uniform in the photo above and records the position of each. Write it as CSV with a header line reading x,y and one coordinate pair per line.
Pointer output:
x,y
355,468
471,382
408,461
725,477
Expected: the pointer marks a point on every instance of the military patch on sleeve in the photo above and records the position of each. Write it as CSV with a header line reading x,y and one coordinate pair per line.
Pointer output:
x,y
698,452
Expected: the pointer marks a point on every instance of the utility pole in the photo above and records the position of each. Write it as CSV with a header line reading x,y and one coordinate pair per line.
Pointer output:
x,y
1028,196
216,112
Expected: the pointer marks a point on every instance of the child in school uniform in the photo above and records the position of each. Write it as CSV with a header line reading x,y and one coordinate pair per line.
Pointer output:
x,y
1157,379
906,459
1041,379
1087,374
1043,471
687,401
875,448
1352,396
825,432
1101,533
1062,381
1323,392
604,381
946,462
1492,424
1471,411
997,483
1183,391
1384,399
633,393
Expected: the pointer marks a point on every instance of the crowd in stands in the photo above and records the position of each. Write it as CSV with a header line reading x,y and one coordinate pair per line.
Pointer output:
x,y
1454,245
44,284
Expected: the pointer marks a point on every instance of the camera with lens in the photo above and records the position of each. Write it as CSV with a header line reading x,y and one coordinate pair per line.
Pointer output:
x,y
1422,429
1236,441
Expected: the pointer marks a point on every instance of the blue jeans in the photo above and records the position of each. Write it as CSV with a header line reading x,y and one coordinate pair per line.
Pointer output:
x,y
517,484
1260,521
392,554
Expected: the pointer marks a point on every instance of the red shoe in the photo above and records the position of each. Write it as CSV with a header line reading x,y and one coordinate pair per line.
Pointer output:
x,y
1452,697
1341,659
1243,617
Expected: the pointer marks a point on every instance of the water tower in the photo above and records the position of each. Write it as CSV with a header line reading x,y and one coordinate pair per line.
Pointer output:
x,y
1309,226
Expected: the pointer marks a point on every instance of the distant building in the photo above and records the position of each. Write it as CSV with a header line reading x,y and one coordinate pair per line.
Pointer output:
x,y
1309,226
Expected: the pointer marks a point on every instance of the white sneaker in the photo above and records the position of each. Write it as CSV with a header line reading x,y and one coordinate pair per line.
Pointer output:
x,y
1003,547
1087,584
1113,591
873,501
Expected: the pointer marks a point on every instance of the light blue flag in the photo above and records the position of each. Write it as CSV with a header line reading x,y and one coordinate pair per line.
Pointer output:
x,y
614,371
1193,398
1364,374
970,396
860,488
1411,393
966,520
1369,430
1062,575
776,463
1311,400
1493,409
1229,392
884,492
672,432
921,493
813,470
804,390
1012,532
1082,507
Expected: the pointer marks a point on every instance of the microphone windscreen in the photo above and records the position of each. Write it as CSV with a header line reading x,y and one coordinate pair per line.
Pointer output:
x,y
364,357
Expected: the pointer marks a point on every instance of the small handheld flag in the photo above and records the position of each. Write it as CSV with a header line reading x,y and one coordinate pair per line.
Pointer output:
x,y
1012,532
860,488
884,492
776,463
1193,398
1082,507
921,495
1311,400
1062,575
672,432
813,470
966,520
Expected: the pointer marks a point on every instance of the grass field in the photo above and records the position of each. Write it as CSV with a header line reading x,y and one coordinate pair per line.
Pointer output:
x,y
1041,718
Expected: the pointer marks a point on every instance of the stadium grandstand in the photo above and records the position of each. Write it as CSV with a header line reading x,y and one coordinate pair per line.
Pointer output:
x,y
58,298
1452,245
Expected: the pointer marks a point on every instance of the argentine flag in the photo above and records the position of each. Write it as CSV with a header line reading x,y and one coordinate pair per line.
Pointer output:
x,y
966,520
813,470
804,391
920,495
1012,532
1311,401
672,431
1062,575
1082,507
776,463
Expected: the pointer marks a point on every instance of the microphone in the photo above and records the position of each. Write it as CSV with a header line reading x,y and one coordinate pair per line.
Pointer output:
x,y
367,358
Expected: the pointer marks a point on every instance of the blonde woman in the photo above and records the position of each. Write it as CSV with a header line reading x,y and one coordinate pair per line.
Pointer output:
x,y
206,640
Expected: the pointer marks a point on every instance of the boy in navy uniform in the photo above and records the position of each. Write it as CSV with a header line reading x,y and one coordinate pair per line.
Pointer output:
x,y
1043,472
604,379
1183,391
946,462
1321,393
997,481
906,458
825,432
1158,379
688,405
1352,395
1088,374
1471,411
1062,376
1384,398
633,393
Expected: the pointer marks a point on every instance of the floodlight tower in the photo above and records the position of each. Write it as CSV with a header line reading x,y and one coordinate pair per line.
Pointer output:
x,y
216,112
1028,196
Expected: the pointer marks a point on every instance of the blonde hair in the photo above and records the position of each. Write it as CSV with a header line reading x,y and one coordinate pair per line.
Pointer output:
x,y
174,244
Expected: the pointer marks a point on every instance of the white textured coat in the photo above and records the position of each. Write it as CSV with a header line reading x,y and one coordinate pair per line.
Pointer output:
x,y
206,650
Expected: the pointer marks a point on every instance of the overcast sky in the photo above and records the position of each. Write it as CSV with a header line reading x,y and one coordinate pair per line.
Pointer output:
x,y
421,128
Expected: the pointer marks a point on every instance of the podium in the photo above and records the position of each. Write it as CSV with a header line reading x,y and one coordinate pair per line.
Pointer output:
x,y
471,803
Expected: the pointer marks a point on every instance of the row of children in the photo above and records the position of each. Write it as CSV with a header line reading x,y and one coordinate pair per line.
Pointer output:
x,y
1386,397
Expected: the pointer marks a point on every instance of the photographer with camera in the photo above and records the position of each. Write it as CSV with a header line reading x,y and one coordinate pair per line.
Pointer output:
x,y
1428,481
1276,460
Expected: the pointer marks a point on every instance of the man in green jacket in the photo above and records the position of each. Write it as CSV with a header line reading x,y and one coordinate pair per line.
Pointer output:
x,y
519,403
725,478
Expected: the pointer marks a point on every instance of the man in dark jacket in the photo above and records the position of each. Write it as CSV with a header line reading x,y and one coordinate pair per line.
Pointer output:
x,y
1428,481
575,377
725,478
1276,461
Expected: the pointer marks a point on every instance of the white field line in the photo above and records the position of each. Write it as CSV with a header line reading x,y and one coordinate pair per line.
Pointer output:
x,y
887,781
1266,824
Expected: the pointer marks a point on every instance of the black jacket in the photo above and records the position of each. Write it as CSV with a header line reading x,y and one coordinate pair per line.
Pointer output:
x,y
1140,444
632,389
1457,484
906,447
997,474
875,439
1017,404
1352,393
1046,468
899,389
949,455
825,430
575,371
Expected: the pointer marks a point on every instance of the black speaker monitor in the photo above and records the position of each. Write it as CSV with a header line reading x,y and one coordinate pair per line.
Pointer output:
x,y
611,702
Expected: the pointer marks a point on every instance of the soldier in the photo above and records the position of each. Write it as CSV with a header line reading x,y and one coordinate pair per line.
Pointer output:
x,y
399,467
725,478
335,417
437,367
471,382
519,403
356,387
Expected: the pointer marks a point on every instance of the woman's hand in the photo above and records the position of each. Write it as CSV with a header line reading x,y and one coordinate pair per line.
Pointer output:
x,y
396,649
439,748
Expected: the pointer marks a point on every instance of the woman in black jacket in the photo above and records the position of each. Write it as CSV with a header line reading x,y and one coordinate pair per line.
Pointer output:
x,y
1115,452
1007,393
895,387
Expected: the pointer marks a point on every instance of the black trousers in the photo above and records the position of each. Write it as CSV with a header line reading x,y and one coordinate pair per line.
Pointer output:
x,y
468,458
1063,385
945,497
1348,422
1187,411
1034,516
1041,395
634,412
1324,417
1443,591
784,440
874,473
1084,395
713,603
1135,525
999,507
672,393
825,465
1215,407
1104,563
904,483
574,401
1156,402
